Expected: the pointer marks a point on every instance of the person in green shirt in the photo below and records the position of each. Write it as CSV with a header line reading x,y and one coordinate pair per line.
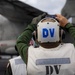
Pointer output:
x,y
23,40
34,56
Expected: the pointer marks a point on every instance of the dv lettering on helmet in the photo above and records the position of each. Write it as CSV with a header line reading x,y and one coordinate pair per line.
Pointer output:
x,y
48,32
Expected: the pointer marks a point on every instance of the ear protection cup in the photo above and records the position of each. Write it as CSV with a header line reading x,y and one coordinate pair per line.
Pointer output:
x,y
62,33
34,35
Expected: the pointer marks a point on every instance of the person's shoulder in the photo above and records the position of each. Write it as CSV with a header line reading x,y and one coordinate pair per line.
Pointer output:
x,y
16,60
18,57
33,48
69,45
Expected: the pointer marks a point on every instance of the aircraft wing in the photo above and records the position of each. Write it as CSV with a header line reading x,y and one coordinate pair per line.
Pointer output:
x,y
18,11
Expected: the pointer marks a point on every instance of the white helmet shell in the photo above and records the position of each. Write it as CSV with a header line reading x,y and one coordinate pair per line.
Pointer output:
x,y
48,31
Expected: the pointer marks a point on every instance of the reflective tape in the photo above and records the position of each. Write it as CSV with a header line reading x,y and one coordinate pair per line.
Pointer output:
x,y
53,61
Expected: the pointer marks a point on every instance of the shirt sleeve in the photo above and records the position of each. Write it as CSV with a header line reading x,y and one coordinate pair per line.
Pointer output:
x,y
23,40
71,29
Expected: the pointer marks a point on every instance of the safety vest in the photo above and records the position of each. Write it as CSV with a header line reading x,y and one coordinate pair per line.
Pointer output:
x,y
54,61
18,66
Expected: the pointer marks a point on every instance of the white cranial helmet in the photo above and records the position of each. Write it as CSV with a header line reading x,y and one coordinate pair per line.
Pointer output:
x,y
48,30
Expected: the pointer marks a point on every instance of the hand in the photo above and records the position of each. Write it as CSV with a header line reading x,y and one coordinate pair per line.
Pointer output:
x,y
37,19
62,20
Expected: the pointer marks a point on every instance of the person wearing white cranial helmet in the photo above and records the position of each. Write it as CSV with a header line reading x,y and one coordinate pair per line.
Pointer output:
x,y
52,56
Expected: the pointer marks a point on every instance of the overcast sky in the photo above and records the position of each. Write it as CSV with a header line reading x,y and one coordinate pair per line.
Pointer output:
x,y
49,6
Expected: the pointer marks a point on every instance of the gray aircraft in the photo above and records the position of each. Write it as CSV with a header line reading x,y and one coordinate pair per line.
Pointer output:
x,y
14,17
